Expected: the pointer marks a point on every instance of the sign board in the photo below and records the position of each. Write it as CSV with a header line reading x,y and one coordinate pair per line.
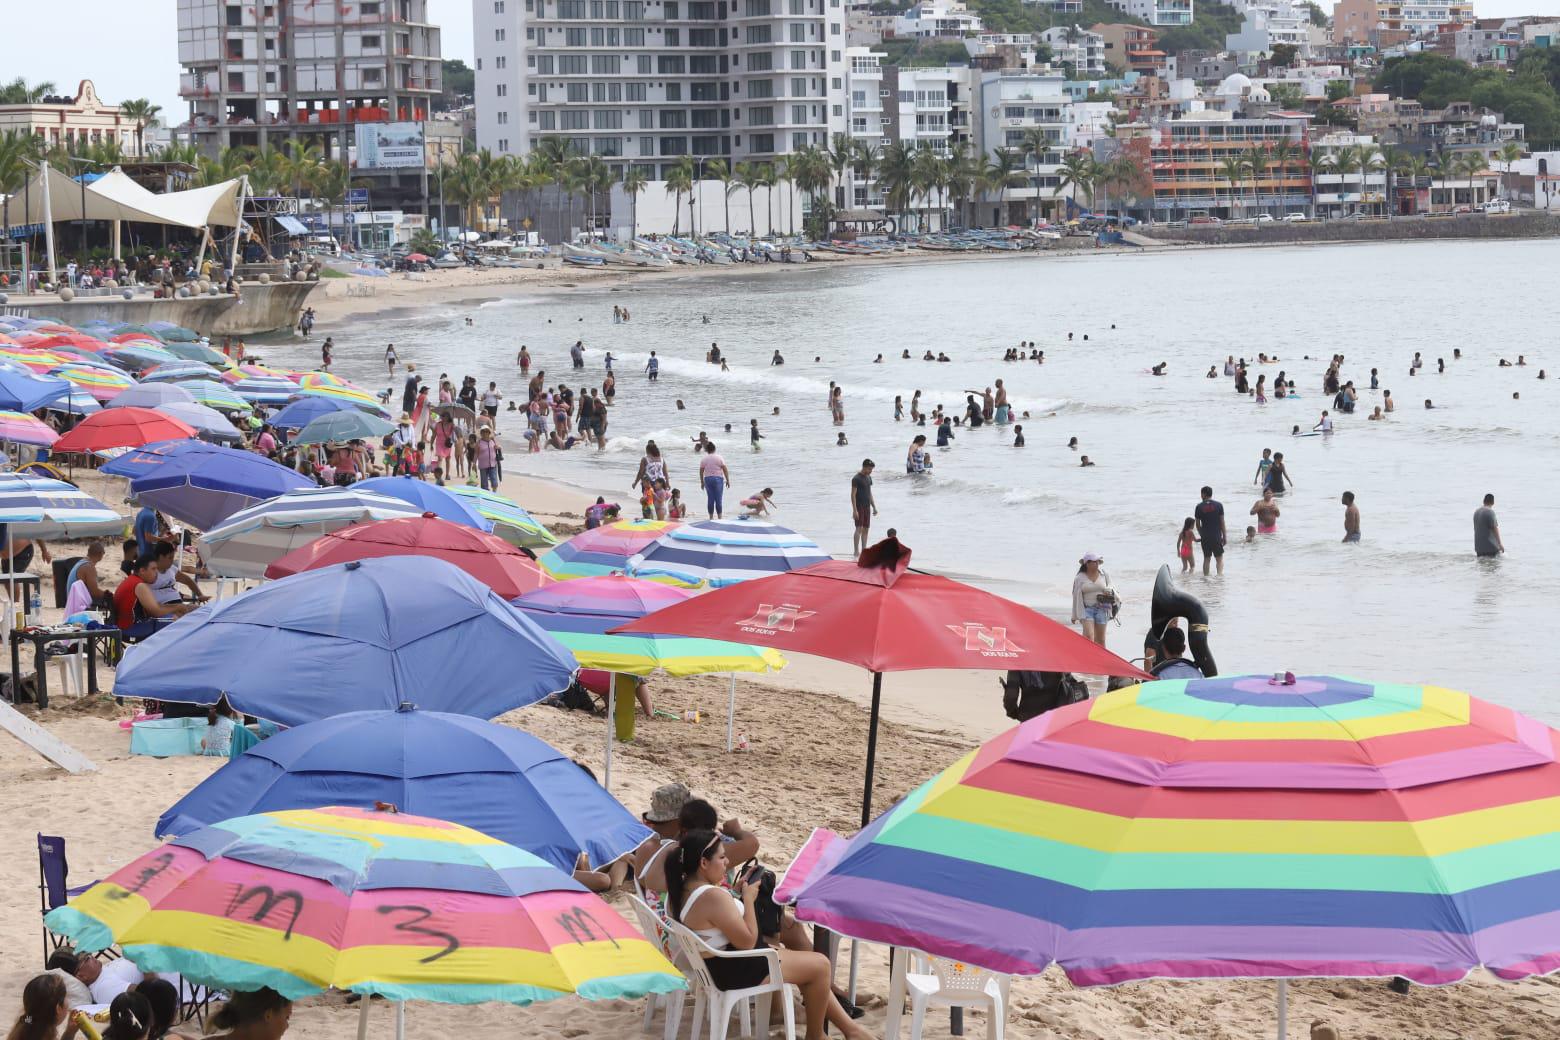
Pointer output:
x,y
357,196
390,146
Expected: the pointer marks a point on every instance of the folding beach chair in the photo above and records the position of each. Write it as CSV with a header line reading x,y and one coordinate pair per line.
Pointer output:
x,y
52,872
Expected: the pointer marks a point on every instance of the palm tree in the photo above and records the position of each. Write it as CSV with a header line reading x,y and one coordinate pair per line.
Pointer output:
x,y
596,178
679,179
1004,172
552,155
813,174
1123,172
785,173
301,163
749,176
634,183
1345,161
18,92
1318,162
1370,161
842,152
145,114
1283,154
1509,153
18,149
1392,159
896,175
1075,175
331,185
717,170
1257,161
1233,169
1416,167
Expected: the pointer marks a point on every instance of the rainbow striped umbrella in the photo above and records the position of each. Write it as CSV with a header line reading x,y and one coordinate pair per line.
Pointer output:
x,y
310,380
244,371
21,428
216,395
404,906
715,553
104,384
602,550
177,371
267,390
39,360
1228,827
580,613
510,522
350,394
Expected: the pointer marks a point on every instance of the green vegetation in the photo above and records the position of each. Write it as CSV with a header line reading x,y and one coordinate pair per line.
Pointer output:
x,y
1015,16
460,80
1318,16
912,53
1527,95
1210,24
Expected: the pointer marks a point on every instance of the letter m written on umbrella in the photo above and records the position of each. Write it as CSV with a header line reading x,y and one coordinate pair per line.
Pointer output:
x,y
988,642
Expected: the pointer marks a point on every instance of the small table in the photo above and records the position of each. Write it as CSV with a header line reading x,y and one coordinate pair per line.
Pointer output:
x,y
27,585
40,638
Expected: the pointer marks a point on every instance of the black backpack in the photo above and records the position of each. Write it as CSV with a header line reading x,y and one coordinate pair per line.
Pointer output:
x,y
1027,694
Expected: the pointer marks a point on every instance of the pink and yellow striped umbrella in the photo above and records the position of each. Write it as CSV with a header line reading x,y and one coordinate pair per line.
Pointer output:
x,y
404,906
103,384
21,428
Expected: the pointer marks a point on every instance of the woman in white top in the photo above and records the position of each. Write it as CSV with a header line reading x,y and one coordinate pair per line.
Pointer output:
x,y
727,921
1090,587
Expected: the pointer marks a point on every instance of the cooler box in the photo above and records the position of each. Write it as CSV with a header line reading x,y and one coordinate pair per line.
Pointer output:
x,y
164,738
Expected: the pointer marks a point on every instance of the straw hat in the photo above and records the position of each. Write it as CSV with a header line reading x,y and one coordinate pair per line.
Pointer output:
x,y
666,803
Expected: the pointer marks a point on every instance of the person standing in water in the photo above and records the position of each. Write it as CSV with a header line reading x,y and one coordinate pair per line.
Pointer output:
x,y
653,367
1486,530
1211,532
1351,518
1265,509
1002,411
391,358
1277,474
713,471
862,506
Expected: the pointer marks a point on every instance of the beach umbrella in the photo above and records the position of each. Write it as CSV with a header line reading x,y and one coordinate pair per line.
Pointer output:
x,y
715,553
1234,827
201,484
138,356
122,428
172,333
367,634
311,380
176,371
244,544
267,390
201,352
22,428
49,509
126,328
77,402
486,557
510,522
603,550
25,392
250,370
39,361
150,395
582,615
72,341
338,427
361,399
214,394
457,412
374,902
878,614
305,410
209,424
495,779
104,384
430,498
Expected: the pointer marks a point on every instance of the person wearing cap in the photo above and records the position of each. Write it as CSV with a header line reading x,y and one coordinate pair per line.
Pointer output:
x,y
1093,598
862,506
409,391
673,812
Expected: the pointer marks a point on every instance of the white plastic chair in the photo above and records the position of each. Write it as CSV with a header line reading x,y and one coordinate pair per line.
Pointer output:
x,y
721,1002
653,925
951,984
71,669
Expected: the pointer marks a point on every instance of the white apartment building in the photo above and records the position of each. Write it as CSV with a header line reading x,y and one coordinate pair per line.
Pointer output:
x,y
1059,6
259,74
1269,24
1157,12
1081,50
645,82
934,18
1353,190
1014,105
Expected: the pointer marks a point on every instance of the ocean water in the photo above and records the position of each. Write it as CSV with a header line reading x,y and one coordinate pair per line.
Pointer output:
x,y
1409,603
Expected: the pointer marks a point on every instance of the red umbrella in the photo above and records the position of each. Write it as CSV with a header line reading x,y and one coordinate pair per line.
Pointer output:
x,y
879,614
417,258
123,428
488,558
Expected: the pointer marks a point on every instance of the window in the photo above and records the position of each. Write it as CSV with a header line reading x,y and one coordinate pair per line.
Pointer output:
x,y
702,37
571,8
672,37
598,92
758,34
647,146
761,88
839,110
833,55
608,119
503,88
499,62
633,10
598,10
373,77
498,7
706,119
544,65
503,144
503,117
797,7
798,141
760,62
547,120
574,37
835,83
578,92
674,146
498,35
834,28
670,65
645,65
798,33
798,59
756,8
763,142
633,37
799,86
646,119
604,64
763,115
669,10
571,64
673,119
634,92
798,113
703,64
607,146
598,37
612,8
574,119
674,92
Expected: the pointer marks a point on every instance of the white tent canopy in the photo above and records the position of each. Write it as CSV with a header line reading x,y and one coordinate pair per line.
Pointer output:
x,y
114,196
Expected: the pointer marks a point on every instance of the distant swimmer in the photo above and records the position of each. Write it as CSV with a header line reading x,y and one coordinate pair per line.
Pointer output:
x,y
928,356
776,360
945,432
1159,369
1375,414
1018,436
1428,405
1213,372
878,360
840,440
943,357
1418,361
1263,465
1386,401
916,459
1072,442
906,355
1325,423
1001,410
753,435
1265,509
1351,518
1085,461
1278,474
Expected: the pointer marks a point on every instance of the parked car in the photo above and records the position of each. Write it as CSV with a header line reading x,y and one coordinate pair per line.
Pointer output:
x,y
1205,219
1295,218
1262,218
1497,206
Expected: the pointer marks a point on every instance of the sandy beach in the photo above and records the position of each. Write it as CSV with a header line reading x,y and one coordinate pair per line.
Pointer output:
x,y
807,734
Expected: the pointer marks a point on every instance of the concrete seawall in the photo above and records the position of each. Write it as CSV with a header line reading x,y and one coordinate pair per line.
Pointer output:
x,y
1403,229
259,308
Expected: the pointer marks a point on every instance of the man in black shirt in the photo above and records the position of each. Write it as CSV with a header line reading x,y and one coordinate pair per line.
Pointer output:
x,y
1209,515
862,506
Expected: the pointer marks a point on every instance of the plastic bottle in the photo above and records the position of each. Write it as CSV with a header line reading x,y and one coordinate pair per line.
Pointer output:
x,y
35,607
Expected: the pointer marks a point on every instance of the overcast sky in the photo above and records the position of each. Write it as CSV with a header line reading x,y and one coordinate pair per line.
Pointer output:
x,y
128,47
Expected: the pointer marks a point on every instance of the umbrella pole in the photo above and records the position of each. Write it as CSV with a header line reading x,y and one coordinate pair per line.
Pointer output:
x,y
1283,1008
362,1033
872,728
606,781
400,1020
731,714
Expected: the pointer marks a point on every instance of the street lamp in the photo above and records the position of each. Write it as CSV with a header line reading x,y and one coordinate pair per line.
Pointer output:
x,y
81,178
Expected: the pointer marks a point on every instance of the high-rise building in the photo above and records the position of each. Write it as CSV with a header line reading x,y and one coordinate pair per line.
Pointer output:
x,y
260,74
645,82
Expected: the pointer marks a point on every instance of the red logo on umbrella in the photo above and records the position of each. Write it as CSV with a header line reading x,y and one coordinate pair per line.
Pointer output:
x,y
771,618
988,642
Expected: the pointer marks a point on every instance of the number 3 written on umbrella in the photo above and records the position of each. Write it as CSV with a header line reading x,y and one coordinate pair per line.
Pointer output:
x,y
414,925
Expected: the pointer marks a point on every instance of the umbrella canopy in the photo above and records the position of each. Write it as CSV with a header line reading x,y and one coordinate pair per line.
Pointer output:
x,y
305,410
495,779
171,333
24,392
202,484
123,428
430,498
126,328
209,424
104,384
42,507
580,614
214,394
715,553
457,412
603,550
249,369
336,427
403,906
22,428
77,402
351,395
77,341
138,356
879,615
486,557
367,634
267,390
251,539
510,522
176,371
1227,827
201,352
151,395
40,361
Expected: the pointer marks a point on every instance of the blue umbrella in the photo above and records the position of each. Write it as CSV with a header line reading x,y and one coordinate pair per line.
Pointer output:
x,y
23,391
363,635
201,484
430,498
151,395
496,779
305,410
